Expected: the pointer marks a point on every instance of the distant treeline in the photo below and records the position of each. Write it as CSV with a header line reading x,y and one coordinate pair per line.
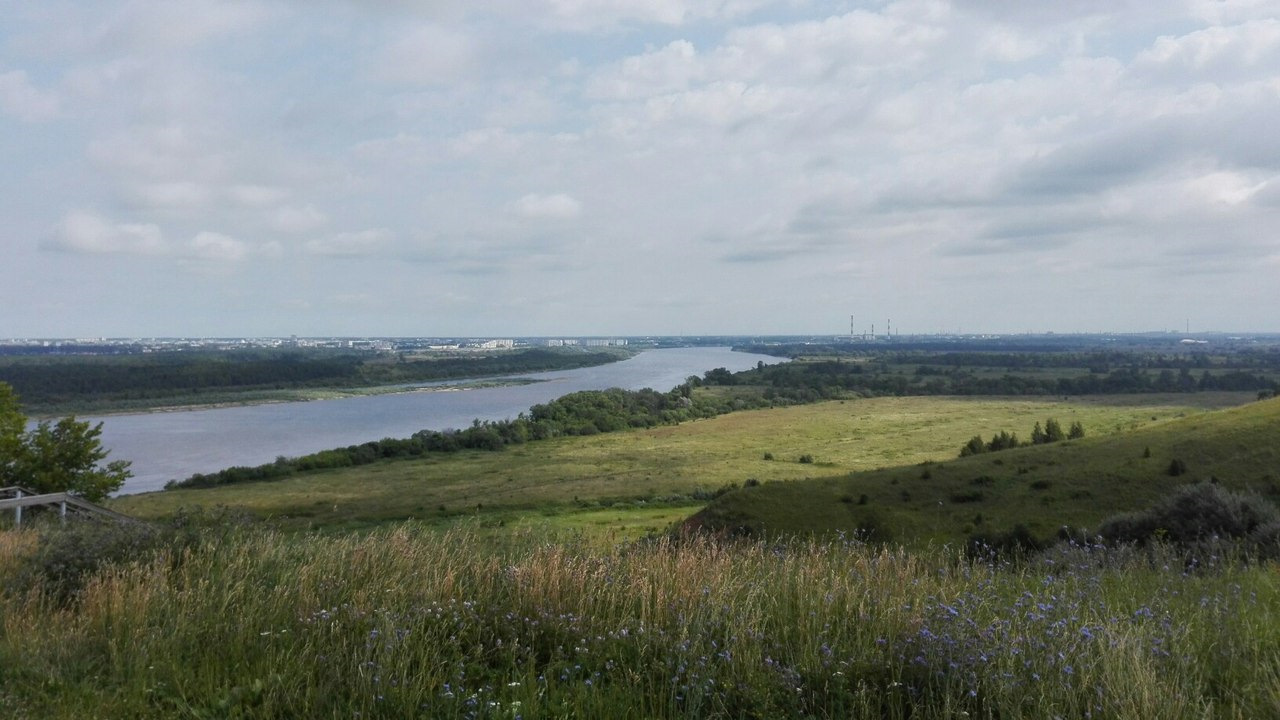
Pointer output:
x,y
818,380
581,413
1002,355
67,380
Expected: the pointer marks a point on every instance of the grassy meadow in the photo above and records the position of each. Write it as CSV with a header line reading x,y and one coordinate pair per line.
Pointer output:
x,y
409,622
627,484
1076,483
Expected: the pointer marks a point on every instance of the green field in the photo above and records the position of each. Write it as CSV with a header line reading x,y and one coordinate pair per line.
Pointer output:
x,y
1075,483
665,473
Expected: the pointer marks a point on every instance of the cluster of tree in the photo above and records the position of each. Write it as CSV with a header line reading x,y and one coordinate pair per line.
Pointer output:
x,y
581,413
809,381
1051,432
62,456
64,380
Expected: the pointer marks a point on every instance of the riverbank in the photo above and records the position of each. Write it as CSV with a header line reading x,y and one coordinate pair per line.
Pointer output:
x,y
273,397
176,445
139,383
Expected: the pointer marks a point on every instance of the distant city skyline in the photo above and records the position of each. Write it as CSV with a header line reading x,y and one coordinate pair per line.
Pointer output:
x,y
268,168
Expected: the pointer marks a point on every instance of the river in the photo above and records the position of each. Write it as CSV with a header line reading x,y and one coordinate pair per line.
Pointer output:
x,y
166,445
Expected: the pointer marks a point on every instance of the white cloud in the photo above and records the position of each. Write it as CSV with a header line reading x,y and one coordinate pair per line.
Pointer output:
x,y
295,219
161,25
256,195
669,69
179,194
21,99
352,244
1009,45
587,14
86,232
215,246
558,206
1252,46
429,54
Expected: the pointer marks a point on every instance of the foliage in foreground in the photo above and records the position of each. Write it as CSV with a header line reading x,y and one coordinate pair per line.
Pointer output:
x,y
411,624
66,456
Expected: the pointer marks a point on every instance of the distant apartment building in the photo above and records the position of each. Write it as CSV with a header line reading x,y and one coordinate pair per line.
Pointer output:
x,y
589,342
496,344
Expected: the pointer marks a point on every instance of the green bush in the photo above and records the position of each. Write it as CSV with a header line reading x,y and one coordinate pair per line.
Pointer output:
x,y
1018,542
967,496
1196,513
68,554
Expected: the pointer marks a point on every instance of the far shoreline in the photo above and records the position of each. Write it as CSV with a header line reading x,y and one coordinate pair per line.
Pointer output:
x,y
280,397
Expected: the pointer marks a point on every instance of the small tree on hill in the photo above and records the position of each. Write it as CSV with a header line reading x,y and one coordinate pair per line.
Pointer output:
x,y
1076,432
973,447
1037,435
1053,431
1003,441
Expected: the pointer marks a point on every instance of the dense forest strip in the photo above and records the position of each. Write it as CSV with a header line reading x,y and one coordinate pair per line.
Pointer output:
x,y
888,374
190,378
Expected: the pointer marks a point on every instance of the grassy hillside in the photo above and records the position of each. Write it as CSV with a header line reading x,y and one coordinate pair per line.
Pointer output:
x,y
1075,483
622,479
409,624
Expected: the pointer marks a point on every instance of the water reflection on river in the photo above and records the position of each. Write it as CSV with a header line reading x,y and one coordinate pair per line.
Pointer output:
x,y
171,445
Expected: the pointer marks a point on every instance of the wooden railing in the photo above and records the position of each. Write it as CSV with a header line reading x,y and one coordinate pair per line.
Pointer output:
x,y
16,498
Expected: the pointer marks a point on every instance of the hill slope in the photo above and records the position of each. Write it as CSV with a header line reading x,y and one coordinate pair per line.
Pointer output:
x,y
1076,483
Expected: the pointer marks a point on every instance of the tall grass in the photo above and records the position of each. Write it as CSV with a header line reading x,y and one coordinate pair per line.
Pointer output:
x,y
411,623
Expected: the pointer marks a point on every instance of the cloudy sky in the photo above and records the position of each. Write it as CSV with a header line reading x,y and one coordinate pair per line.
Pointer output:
x,y
545,167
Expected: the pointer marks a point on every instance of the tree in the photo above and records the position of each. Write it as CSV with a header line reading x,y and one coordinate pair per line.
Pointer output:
x,y
66,456
1037,435
1053,431
1076,432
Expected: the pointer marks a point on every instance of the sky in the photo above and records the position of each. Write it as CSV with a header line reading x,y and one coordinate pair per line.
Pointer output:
x,y
632,167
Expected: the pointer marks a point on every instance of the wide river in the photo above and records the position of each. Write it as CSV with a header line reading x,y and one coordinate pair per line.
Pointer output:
x,y
168,445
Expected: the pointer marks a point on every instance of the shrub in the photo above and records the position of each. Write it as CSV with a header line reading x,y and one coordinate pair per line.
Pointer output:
x,y
1197,512
967,496
973,447
1176,468
68,555
768,456
1018,542
806,459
